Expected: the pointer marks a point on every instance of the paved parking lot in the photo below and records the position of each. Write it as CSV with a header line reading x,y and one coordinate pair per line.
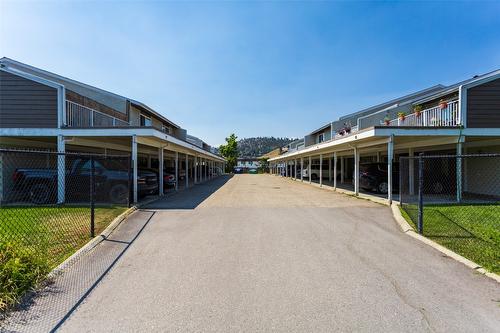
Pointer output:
x,y
261,253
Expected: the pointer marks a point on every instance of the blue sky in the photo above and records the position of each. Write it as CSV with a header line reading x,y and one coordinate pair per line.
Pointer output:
x,y
255,68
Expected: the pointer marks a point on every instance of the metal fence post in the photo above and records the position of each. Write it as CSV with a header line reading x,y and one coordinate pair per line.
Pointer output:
x,y
92,197
401,168
420,224
129,197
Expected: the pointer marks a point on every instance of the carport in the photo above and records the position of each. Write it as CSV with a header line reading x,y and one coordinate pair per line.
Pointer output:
x,y
383,144
146,146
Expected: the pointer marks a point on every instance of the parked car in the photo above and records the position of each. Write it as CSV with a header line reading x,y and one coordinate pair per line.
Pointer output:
x,y
168,180
373,177
111,182
238,170
171,171
315,172
168,177
253,171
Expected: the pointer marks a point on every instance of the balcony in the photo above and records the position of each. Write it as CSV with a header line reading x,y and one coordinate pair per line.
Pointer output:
x,y
432,117
347,130
81,116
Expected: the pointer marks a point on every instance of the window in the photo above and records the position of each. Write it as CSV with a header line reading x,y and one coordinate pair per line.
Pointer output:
x,y
145,121
166,129
86,167
321,137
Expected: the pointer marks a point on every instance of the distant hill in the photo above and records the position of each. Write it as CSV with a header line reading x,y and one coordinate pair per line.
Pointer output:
x,y
255,147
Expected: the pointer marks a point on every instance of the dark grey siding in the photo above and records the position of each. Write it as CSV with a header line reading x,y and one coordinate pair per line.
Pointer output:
x,y
483,105
26,103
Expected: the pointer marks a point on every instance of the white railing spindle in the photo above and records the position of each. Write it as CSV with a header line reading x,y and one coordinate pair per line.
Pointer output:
x,y
82,116
434,116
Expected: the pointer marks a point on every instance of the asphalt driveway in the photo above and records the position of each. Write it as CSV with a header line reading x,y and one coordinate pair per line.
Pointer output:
x,y
261,253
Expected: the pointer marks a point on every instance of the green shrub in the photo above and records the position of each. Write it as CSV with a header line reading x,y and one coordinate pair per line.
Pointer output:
x,y
21,269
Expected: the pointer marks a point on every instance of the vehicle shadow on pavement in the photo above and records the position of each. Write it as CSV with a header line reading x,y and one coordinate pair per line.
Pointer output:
x,y
191,198
47,309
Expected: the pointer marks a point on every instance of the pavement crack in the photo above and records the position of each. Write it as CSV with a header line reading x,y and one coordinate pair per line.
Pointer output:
x,y
397,288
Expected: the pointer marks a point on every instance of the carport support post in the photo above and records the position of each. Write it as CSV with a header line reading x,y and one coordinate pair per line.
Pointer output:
x,y
92,197
356,171
61,169
320,169
335,170
187,172
330,170
134,168
195,166
176,171
342,170
301,169
286,168
390,156
201,170
411,172
295,165
309,169
459,170
160,168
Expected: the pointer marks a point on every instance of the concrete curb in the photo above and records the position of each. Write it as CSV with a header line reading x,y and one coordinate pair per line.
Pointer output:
x,y
97,239
407,229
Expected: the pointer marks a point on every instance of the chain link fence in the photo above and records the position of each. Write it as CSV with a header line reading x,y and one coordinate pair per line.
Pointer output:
x,y
51,204
455,200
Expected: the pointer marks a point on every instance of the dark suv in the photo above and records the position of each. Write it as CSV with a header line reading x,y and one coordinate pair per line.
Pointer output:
x,y
40,186
373,177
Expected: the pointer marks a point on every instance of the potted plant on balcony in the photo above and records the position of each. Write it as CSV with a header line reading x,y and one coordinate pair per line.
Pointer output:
x,y
347,128
418,110
387,120
443,104
401,116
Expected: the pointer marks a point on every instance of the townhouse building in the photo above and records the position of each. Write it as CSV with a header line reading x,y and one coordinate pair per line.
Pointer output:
x,y
462,118
43,110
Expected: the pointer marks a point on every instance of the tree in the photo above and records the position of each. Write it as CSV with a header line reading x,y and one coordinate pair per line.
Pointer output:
x,y
264,165
230,152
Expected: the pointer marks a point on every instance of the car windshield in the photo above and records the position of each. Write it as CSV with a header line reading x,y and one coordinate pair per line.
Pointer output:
x,y
368,168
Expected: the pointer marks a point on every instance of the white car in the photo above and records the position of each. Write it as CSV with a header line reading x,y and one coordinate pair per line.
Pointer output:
x,y
315,172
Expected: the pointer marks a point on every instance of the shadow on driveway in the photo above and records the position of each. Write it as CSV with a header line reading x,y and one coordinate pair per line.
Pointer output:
x,y
191,198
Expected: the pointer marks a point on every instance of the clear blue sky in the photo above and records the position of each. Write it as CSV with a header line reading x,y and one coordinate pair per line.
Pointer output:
x,y
255,68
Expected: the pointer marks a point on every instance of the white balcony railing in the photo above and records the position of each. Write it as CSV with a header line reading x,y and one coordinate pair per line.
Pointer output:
x,y
81,116
435,116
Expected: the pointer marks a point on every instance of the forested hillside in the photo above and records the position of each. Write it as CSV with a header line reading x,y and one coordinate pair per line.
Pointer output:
x,y
255,147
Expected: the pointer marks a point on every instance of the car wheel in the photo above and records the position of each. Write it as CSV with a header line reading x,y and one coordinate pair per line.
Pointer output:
x,y
383,187
39,194
314,176
437,188
118,194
